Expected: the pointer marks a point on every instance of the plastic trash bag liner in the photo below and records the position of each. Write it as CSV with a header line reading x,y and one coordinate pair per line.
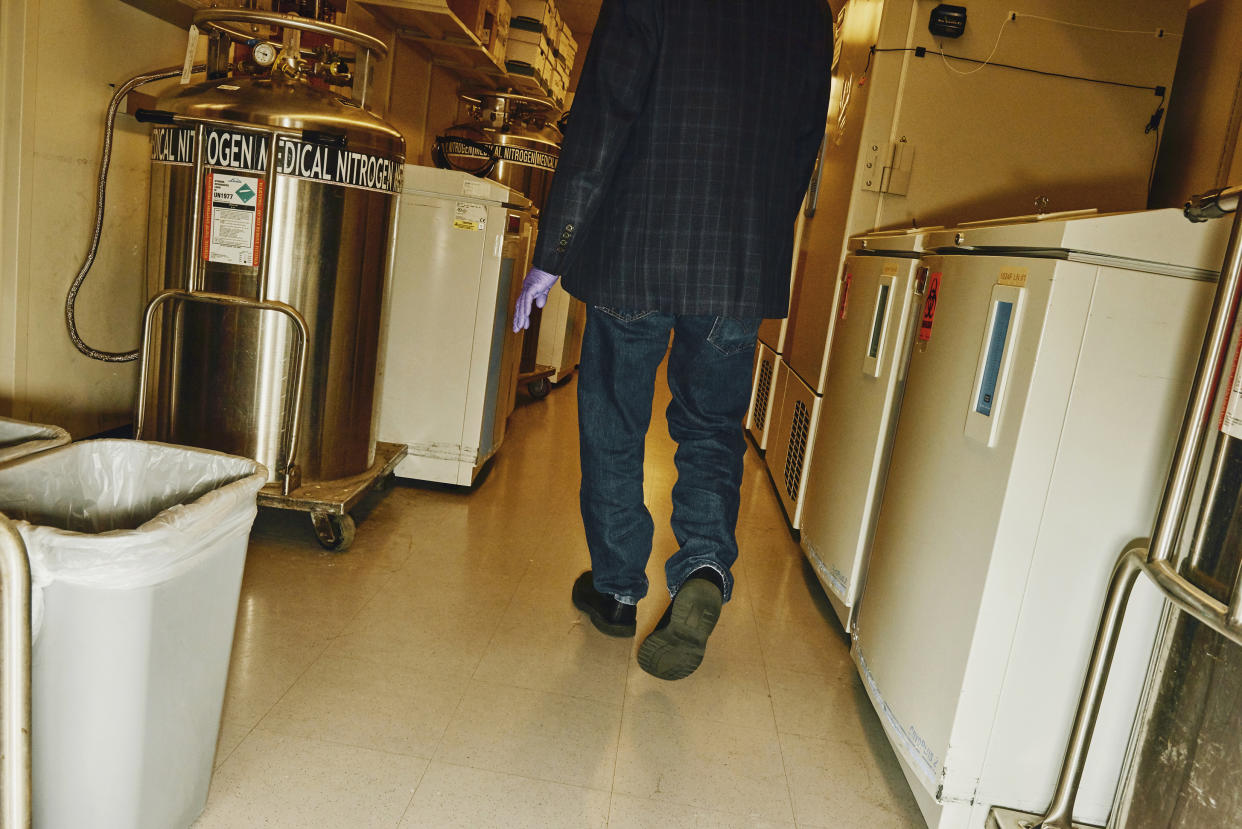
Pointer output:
x,y
137,552
19,439
122,514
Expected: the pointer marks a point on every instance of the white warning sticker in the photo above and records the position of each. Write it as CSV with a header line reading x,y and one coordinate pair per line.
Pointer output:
x,y
232,219
470,216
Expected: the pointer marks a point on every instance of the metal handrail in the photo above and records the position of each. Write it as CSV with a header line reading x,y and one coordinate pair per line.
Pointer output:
x,y
1157,560
289,473
14,679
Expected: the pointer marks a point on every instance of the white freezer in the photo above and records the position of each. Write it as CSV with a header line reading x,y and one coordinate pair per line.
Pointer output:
x,y
448,345
1041,406
763,394
560,333
792,449
853,434
916,139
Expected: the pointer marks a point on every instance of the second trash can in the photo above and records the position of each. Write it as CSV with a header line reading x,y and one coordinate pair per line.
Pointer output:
x,y
19,439
136,553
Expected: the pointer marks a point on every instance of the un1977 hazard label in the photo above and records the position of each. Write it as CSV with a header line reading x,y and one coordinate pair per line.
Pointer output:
x,y
249,152
232,219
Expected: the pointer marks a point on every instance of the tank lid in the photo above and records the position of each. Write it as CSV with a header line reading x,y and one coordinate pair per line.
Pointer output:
x,y
288,105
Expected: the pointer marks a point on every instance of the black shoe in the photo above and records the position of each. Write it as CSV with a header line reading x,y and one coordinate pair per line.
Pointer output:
x,y
675,648
609,616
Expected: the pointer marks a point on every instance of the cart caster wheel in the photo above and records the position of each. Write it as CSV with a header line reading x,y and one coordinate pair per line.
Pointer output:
x,y
539,388
335,532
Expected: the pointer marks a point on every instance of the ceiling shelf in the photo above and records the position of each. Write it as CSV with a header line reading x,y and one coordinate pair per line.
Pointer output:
x,y
450,42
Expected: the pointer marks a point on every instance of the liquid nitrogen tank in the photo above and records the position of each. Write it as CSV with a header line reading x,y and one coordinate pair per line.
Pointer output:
x,y
272,213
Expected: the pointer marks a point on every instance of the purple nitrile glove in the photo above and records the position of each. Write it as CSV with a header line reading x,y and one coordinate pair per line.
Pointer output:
x,y
534,289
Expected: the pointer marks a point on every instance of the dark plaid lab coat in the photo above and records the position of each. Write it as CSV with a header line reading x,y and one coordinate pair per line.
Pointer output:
x,y
690,144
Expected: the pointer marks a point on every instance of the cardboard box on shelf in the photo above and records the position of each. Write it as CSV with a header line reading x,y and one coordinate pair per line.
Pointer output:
x,y
474,14
533,15
566,46
500,32
527,53
559,85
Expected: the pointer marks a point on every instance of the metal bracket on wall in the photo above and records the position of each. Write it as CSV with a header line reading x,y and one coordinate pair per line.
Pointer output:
x,y
886,167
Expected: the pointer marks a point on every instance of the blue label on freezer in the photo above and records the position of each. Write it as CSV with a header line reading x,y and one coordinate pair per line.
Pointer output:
x,y
1001,317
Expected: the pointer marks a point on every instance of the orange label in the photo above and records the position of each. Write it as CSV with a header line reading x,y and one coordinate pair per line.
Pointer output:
x,y
846,281
929,307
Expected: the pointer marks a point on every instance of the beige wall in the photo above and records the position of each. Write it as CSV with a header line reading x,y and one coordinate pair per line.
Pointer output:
x,y
59,58
1199,149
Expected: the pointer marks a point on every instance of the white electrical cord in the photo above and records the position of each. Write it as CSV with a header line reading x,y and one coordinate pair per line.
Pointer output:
x,y
1008,17
1013,16
1158,32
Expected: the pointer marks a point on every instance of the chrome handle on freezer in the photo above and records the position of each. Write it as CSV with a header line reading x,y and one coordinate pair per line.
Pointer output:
x,y
1213,204
1157,560
15,679
289,473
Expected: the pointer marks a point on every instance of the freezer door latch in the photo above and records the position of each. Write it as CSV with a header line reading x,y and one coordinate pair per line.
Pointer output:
x,y
886,168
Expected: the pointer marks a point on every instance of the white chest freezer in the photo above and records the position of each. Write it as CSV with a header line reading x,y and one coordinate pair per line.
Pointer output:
x,y
858,412
1043,397
449,356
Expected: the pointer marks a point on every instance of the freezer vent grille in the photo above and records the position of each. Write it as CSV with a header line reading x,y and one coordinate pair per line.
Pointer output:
x,y
796,455
762,390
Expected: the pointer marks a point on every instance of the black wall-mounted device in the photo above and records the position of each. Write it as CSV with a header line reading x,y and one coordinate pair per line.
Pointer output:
x,y
947,21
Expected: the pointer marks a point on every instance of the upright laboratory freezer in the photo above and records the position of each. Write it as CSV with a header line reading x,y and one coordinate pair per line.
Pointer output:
x,y
1038,106
771,343
858,412
1044,392
449,355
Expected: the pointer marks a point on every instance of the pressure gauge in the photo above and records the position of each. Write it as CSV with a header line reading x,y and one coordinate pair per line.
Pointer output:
x,y
264,54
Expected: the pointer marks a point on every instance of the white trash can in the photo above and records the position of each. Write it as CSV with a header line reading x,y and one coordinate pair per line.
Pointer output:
x,y
136,554
19,439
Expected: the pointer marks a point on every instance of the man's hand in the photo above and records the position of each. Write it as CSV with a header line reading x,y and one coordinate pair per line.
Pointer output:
x,y
534,290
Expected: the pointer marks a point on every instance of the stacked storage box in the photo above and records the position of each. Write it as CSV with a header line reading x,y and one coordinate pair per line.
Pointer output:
x,y
540,45
500,32
529,52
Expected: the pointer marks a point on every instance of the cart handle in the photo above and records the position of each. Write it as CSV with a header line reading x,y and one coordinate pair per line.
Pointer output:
x,y
15,678
289,472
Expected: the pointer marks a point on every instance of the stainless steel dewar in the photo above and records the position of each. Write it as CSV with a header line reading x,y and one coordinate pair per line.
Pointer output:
x,y
508,137
279,192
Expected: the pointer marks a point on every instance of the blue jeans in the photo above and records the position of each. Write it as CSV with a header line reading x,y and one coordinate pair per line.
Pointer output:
x,y
709,375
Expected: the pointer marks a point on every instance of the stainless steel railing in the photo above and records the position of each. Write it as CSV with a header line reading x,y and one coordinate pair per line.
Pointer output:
x,y
14,679
1158,561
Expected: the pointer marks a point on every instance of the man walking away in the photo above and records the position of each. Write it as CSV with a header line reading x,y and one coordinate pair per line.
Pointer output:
x,y
690,145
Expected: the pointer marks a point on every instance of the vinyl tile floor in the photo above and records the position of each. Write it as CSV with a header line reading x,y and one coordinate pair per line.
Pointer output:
x,y
437,675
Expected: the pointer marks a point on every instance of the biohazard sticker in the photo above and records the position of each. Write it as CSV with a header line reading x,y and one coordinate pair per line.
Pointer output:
x,y
929,307
470,216
232,219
